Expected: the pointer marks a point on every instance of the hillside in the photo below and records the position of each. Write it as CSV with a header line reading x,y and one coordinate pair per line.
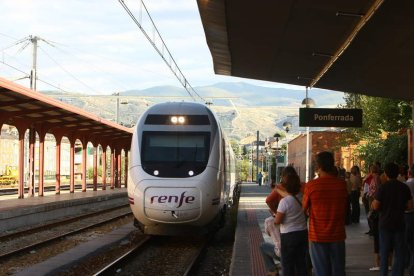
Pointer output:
x,y
249,109
247,94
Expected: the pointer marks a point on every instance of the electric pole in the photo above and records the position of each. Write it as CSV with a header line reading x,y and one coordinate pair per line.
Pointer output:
x,y
33,72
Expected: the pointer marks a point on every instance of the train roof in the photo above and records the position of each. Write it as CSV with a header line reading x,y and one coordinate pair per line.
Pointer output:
x,y
178,107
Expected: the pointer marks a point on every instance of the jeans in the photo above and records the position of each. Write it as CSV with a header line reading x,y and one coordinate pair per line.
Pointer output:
x,y
294,247
268,253
409,239
348,211
365,201
387,239
356,210
328,258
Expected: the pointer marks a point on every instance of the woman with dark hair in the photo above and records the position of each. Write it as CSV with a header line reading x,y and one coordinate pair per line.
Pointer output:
x,y
293,227
273,199
373,217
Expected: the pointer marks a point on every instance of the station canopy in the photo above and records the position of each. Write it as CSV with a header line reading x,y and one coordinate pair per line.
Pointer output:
x,y
355,46
20,104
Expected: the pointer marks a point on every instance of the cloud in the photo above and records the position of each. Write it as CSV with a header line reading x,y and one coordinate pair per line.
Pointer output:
x,y
94,47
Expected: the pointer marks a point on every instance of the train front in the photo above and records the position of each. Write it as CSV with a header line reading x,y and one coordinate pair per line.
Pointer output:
x,y
174,183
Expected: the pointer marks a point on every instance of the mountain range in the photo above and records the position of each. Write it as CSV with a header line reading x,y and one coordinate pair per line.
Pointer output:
x,y
242,108
247,94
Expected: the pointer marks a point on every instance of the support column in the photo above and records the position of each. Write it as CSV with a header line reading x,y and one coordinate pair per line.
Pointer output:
x,y
119,169
95,168
126,169
21,164
103,167
58,158
32,143
112,168
84,152
115,168
72,166
41,163
412,136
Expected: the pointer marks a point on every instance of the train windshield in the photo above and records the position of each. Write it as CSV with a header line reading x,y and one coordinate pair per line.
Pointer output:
x,y
175,154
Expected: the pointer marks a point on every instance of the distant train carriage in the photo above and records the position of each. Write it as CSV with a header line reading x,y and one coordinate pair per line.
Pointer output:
x,y
182,170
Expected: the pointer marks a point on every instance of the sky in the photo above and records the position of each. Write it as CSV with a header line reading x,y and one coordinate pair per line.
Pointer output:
x,y
94,47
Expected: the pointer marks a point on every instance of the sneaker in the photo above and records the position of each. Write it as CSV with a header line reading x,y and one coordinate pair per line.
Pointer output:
x,y
390,268
375,268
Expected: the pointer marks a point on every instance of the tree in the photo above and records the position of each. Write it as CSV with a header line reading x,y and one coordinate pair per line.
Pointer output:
x,y
384,128
391,149
236,147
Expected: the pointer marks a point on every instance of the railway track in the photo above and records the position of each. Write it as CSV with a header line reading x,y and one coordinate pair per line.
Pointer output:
x,y
159,256
65,187
16,243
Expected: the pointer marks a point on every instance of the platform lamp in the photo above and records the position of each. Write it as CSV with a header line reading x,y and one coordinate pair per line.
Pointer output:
x,y
287,126
117,106
277,136
307,103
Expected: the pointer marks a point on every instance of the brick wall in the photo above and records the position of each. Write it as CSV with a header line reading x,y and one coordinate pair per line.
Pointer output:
x,y
319,141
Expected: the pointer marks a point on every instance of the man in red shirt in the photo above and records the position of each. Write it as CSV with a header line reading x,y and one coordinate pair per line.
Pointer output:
x,y
325,199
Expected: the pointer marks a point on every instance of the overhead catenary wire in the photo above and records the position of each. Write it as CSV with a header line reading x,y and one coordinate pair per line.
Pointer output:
x,y
28,76
171,62
66,71
15,43
50,43
60,47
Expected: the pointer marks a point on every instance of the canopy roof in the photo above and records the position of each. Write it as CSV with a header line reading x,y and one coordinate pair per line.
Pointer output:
x,y
358,46
22,106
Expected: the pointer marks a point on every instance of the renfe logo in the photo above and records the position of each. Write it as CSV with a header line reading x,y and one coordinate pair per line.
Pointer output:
x,y
173,198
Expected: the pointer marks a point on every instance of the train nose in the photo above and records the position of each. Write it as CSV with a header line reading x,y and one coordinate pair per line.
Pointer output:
x,y
172,204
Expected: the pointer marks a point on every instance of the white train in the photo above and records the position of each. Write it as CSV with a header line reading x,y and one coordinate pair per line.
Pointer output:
x,y
182,170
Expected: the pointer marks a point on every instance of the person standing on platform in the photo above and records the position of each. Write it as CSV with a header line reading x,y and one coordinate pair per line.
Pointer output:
x,y
356,183
273,199
325,200
373,215
259,178
270,251
347,178
365,197
392,199
409,223
293,229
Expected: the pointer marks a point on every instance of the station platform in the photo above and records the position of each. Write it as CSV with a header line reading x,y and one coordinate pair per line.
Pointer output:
x,y
20,213
247,258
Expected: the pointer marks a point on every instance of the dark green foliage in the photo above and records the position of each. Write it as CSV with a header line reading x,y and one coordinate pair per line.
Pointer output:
x,y
392,149
380,116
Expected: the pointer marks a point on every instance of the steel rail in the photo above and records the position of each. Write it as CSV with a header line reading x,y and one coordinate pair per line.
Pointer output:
x,y
49,240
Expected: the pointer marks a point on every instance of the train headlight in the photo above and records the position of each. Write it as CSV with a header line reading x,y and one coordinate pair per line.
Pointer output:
x,y
156,172
174,119
177,119
181,119
190,173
